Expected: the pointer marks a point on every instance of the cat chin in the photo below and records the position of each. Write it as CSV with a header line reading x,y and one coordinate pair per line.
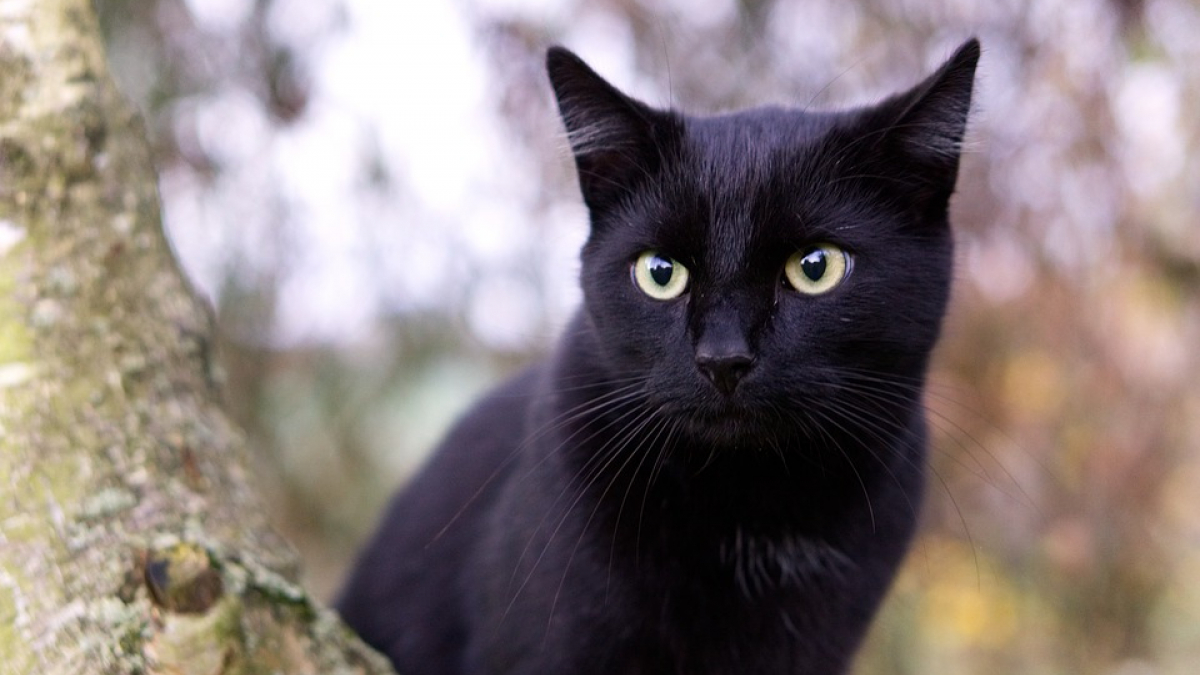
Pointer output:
x,y
726,426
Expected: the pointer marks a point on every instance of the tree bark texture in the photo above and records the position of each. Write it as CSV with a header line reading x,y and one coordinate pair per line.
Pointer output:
x,y
131,540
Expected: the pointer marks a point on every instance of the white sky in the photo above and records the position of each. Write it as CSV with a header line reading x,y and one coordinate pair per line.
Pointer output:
x,y
407,78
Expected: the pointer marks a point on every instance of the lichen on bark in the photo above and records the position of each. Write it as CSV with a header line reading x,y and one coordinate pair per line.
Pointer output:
x,y
115,454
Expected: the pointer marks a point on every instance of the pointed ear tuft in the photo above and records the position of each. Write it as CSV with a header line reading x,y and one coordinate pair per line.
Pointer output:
x,y
940,105
616,140
929,120
918,133
598,117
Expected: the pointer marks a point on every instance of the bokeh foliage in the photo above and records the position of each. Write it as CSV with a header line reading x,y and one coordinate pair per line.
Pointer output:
x,y
1063,529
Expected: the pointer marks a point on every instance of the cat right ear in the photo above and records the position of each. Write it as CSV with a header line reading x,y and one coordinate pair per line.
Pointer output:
x,y
920,131
617,141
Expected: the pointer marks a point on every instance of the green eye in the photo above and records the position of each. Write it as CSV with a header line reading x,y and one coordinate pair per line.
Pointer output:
x,y
660,277
817,269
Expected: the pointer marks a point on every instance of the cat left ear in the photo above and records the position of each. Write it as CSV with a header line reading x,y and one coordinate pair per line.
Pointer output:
x,y
925,125
617,141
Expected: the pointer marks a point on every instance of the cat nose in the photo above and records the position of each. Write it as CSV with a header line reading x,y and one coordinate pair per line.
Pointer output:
x,y
724,370
723,353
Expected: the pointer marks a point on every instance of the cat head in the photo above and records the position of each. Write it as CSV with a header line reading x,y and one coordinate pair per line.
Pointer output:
x,y
751,264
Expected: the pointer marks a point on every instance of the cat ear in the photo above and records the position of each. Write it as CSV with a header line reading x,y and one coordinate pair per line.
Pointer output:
x,y
924,126
617,141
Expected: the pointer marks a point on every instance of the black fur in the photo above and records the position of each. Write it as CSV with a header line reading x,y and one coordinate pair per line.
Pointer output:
x,y
724,482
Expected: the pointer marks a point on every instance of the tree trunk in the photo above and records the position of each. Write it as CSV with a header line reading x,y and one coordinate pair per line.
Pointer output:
x,y
131,540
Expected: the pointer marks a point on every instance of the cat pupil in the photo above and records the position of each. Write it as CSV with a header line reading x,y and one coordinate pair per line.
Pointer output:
x,y
661,270
814,265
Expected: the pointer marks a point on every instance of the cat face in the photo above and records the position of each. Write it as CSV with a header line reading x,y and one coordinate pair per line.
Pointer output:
x,y
755,268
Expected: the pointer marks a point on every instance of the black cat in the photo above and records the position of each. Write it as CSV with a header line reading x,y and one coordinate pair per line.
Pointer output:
x,y
721,466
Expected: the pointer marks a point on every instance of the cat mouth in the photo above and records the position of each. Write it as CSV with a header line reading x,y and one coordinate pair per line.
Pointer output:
x,y
727,422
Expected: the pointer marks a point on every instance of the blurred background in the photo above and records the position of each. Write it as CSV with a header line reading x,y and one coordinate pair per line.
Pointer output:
x,y
378,199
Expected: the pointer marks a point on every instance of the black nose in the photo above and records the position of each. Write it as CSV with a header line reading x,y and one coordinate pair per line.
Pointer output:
x,y
724,370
